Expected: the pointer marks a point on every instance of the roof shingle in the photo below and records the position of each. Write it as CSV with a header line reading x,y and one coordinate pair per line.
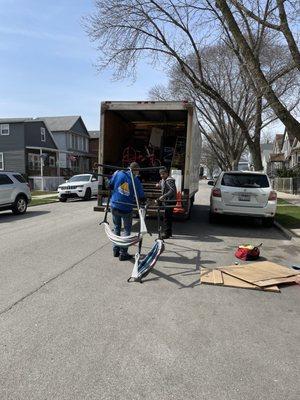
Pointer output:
x,y
64,123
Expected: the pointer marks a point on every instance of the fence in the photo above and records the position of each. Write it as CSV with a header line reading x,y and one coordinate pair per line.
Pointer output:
x,y
287,185
48,183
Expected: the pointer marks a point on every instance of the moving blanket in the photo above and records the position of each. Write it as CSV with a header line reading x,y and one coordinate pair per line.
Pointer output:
x,y
143,267
122,241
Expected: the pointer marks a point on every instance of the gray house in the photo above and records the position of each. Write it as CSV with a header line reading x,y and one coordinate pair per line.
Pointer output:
x,y
28,147
72,139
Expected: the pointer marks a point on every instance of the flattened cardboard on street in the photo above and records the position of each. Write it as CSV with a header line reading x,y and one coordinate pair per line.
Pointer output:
x,y
262,273
217,277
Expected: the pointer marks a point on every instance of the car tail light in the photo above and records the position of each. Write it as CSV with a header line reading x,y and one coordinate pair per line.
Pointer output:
x,y
272,196
216,192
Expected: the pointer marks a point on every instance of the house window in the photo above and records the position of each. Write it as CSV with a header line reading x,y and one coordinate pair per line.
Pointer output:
x,y
73,142
4,129
34,161
43,134
1,162
51,161
80,143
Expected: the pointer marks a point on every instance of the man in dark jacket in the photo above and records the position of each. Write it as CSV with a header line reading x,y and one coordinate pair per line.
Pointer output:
x,y
121,203
168,199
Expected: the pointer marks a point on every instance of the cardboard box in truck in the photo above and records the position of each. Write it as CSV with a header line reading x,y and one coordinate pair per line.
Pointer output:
x,y
153,133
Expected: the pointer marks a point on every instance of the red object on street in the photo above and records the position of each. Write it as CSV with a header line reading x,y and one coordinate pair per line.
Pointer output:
x,y
248,253
178,209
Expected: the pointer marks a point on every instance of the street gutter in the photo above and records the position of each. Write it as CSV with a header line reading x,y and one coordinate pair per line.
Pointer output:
x,y
287,233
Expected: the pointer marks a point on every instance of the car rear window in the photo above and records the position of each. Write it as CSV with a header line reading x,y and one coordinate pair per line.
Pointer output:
x,y
19,178
245,180
5,180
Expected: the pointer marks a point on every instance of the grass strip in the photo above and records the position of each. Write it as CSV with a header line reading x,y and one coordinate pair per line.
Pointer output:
x,y
288,215
47,200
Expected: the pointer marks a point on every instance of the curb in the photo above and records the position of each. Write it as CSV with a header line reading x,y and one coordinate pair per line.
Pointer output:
x,y
286,233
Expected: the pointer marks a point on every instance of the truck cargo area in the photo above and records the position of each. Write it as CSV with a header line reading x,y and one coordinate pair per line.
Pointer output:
x,y
153,134
149,137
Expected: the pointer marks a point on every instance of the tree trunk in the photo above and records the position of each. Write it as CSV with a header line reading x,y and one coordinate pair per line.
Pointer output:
x,y
255,151
262,84
235,165
285,29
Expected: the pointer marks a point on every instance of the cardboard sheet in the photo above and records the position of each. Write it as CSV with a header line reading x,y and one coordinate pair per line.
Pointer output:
x,y
217,277
259,272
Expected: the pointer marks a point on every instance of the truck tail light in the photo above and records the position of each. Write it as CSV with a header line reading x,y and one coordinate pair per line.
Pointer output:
x,y
272,196
216,193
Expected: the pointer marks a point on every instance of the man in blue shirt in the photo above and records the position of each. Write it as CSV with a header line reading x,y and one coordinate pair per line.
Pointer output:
x,y
121,203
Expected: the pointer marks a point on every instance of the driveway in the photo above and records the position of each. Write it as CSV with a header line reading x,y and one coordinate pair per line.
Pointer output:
x,y
71,327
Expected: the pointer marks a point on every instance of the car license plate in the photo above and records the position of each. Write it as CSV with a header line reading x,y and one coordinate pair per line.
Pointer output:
x,y
244,197
67,192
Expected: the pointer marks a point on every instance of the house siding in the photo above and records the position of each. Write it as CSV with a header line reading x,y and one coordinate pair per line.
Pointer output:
x,y
14,160
15,139
33,135
79,128
12,147
61,140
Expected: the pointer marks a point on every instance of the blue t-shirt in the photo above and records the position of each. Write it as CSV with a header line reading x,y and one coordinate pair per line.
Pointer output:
x,y
123,192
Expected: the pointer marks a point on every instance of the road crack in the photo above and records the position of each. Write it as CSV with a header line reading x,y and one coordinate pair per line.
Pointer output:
x,y
32,292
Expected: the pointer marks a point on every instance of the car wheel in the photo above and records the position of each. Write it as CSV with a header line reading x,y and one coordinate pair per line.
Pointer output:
x,y
62,199
212,217
268,222
20,205
88,194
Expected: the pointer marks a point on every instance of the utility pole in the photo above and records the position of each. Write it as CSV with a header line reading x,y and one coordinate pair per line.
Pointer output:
x,y
42,169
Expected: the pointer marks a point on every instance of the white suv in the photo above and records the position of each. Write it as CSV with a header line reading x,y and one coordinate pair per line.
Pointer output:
x,y
243,193
14,192
79,186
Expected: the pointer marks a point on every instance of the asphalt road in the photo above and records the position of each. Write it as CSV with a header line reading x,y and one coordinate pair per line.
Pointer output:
x,y
71,327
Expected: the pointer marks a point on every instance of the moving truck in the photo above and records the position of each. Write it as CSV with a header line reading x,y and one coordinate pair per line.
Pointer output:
x,y
152,133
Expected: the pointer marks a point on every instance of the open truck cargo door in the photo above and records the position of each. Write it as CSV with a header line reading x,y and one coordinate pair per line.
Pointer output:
x,y
151,133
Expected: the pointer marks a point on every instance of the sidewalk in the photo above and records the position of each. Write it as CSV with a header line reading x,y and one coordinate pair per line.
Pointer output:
x,y
44,196
291,198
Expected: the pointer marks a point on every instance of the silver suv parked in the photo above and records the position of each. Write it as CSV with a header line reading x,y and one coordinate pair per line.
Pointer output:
x,y
14,192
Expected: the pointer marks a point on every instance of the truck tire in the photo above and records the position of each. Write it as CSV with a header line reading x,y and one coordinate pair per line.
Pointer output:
x,y
20,205
88,194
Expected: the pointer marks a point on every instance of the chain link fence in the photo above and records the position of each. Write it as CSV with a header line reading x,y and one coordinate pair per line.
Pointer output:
x,y
287,185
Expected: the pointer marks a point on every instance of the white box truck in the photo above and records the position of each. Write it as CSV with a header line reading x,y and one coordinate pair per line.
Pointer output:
x,y
153,133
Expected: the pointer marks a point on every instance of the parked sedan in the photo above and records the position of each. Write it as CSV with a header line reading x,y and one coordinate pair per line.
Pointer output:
x,y
243,193
79,186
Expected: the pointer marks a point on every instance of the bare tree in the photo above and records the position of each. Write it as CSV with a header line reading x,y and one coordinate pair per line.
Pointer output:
x,y
210,159
166,31
221,131
280,16
249,59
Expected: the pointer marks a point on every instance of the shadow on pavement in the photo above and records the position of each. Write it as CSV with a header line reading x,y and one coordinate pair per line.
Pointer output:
x,y
8,216
229,226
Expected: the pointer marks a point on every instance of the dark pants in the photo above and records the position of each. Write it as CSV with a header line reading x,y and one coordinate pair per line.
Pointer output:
x,y
118,216
168,221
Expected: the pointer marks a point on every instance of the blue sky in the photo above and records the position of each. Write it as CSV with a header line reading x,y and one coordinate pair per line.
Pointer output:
x,y
47,63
